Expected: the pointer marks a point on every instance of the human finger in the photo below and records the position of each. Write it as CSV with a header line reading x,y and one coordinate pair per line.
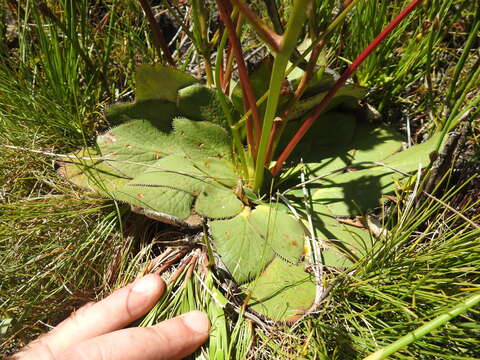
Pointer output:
x,y
170,339
112,313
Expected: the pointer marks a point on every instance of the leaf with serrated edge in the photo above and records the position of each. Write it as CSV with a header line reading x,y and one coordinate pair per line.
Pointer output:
x,y
193,221
155,183
283,292
287,233
174,202
132,146
250,240
87,170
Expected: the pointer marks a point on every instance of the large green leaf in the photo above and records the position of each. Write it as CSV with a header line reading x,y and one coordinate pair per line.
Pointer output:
x,y
131,147
356,192
153,188
250,240
202,139
174,175
160,82
87,170
283,292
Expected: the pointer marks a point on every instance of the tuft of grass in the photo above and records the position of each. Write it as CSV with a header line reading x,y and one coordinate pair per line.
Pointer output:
x,y
56,252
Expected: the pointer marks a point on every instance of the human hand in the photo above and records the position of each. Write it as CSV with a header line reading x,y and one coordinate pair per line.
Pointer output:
x,y
93,332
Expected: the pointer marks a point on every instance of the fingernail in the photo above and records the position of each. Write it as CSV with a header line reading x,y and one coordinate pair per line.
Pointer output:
x,y
197,321
145,284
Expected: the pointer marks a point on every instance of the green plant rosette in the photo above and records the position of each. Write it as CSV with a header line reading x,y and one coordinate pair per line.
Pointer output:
x,y
170,158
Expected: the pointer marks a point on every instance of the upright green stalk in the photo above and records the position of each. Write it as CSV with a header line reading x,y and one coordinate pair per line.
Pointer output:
x,y
200,32
289,41
425,329
317,48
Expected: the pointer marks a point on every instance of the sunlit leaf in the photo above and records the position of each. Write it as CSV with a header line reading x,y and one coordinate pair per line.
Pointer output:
x,y
160,82
250,241
283,292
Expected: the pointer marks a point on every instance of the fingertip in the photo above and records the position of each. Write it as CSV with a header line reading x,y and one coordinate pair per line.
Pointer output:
x,y
149,284
143,294
197,321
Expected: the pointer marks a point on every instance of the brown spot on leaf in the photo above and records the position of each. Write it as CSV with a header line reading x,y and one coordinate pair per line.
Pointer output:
x,y
140,195
293,243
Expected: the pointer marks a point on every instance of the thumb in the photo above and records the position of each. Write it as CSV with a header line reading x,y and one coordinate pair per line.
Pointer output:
x,y
171,339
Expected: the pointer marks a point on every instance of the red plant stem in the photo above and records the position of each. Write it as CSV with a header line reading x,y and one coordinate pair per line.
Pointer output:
x,y
340,82
247,89
185,262
170,262
222,73
267,34
157,32
237,23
